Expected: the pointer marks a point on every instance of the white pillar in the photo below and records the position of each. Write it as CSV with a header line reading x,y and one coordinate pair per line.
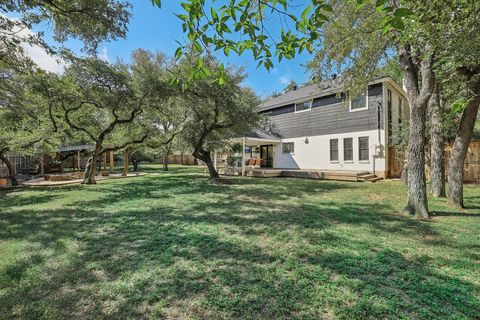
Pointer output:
x,y
78,160
215,159
243,157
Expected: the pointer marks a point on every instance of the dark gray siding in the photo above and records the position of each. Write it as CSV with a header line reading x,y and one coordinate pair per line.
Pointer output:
x,y
329,115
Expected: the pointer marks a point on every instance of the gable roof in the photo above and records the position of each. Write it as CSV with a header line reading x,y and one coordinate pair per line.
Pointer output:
x,y
307,92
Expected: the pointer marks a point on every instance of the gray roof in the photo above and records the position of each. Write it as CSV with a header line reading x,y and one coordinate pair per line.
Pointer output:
x,y
305,93
77,148
260,134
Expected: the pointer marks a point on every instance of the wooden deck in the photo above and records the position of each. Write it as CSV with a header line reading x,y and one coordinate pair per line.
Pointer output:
x,y
302,173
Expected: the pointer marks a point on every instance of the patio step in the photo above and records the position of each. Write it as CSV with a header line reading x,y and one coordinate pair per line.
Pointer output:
x,y
365,177
373,180
369,178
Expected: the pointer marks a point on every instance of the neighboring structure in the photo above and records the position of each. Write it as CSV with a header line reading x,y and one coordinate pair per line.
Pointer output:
x,y
317,127
76,158
21,164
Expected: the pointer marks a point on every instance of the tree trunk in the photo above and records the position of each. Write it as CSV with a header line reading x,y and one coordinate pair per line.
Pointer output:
x,y
135,165
165,161
91,167
11,170
417,189
165,156
437,147
206,157
459,152
419,84
125,163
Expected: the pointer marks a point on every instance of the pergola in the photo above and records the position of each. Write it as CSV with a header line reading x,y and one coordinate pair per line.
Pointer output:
x,y
76,151
255,137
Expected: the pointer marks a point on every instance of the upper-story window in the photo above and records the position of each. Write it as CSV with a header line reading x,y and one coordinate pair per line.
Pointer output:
x,y
303,106
359,103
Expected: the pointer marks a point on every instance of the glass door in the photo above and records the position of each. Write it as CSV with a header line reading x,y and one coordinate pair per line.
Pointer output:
x,y
266,154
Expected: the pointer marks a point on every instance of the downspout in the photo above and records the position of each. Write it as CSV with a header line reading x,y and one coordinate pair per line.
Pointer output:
x,y
243,157
379,137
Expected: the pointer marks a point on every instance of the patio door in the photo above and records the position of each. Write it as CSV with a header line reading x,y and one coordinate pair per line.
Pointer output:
x,y
266,154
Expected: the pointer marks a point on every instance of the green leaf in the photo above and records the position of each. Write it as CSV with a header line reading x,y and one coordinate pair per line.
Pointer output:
x,y
306,12
157,3
214,14
403,12
398,24
178,53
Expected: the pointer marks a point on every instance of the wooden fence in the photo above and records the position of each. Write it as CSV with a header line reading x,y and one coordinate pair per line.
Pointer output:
x,y
471,169
184,159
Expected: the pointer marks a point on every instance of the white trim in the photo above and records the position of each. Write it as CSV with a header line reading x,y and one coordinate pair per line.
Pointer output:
x,y
254,141
310,102
359,109
262,140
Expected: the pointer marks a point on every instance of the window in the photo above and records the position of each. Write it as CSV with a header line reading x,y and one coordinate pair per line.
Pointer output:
x,y
303,106
348,149
334,150
288,147
400,111
363,149
389,116
359,103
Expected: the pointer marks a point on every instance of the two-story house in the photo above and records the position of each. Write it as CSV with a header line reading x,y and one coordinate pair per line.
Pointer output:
x,y
318,127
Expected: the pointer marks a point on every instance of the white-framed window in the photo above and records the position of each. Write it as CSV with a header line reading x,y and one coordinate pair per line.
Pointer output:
x,y
363,149
333,149
288,147
303,106
359,103
400,110
347,149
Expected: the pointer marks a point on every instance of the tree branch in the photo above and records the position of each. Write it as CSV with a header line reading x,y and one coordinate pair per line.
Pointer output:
x,y
126,144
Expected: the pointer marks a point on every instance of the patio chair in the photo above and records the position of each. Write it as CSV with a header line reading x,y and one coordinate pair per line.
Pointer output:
x,y
251,163
258,163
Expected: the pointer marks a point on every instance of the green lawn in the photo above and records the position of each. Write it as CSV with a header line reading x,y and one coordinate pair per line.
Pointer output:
x,y
169,245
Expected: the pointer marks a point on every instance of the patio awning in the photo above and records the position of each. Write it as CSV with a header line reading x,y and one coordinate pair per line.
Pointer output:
x,y
256,137
76,148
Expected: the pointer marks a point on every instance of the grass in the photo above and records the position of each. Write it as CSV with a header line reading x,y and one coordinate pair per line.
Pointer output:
x,y
170,245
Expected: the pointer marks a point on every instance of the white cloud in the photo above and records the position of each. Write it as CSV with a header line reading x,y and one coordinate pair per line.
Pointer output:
x,y
103,54
284,80
41,57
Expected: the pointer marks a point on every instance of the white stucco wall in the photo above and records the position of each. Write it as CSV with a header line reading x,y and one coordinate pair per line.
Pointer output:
x,y
316,153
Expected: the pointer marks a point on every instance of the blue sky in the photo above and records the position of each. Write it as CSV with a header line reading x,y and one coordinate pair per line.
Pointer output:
x,y
156,28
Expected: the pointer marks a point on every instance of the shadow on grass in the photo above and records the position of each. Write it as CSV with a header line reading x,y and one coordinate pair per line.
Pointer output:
x,y
255,249
456,214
